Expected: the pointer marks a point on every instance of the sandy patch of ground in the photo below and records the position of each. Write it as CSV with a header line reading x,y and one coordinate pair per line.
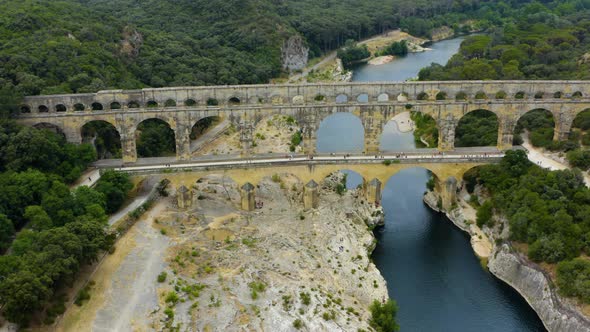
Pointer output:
x,y
548,160
381,60
404,122
479,240
381,41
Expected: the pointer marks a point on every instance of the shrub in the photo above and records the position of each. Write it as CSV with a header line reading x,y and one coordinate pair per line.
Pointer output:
x,y
383,316
162,276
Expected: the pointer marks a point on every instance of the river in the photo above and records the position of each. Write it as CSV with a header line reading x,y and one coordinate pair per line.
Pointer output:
x,y
430,268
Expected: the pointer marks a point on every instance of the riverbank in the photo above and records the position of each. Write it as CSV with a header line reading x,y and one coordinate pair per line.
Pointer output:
x,y
215,267
507,264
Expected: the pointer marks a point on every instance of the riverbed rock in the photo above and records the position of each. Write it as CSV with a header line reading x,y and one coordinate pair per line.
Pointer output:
x,y
535,286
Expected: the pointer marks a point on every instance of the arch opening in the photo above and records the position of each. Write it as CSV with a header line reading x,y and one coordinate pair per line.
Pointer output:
x,y
441,95
234,101
423,96
577,94
558,95
477,128
205,130
277,134
480,95
319,97
461,96
402,97
155,138
298,99
97,106
383,97
25,109
115,105
341,98
501,95
190,102
401,132
50,127
170,103
133,104
580,132
344,180
79,107
539,95
43,109
104,137
342,133
520,95
60,108
363,98
152,104
536,126
212,102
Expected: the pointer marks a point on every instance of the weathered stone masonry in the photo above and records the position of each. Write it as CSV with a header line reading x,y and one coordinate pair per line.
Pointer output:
x,y
309,104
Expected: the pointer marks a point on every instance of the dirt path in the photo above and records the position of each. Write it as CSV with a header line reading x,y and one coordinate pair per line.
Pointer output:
x,y
540,158
132,294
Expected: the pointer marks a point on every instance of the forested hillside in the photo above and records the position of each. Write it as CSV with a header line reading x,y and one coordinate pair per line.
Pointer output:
x,y
536,42
86,45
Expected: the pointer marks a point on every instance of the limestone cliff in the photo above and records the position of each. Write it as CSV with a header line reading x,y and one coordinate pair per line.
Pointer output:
x,y
294,53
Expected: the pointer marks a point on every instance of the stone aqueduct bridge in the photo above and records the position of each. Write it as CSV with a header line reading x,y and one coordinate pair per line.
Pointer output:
x,y
447,171
309,104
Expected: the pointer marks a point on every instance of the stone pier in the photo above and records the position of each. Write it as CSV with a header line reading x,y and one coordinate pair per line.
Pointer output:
x,y
311,197
248,202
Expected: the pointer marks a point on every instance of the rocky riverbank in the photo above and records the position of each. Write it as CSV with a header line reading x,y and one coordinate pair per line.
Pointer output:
x,y
527,278
214,267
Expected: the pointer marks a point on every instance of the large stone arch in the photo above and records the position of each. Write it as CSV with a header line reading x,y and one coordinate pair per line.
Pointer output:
x,y
447,175
539,110
54,127
487,124
326,125
104,136
145,150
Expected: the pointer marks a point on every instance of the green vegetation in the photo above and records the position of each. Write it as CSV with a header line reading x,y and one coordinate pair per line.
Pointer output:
x,y
396,48
156,139
549,210
352,53
383,316
84,46
426,130
477,128
256,287
572,278
59,230
532,40
295,141
162,276
540,124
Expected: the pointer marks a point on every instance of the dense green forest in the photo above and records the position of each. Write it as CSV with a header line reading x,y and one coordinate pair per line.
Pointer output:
x,y
548,210
537,41
48,231
86,45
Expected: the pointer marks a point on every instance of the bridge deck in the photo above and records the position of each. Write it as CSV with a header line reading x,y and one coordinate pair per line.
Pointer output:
x,y
466,155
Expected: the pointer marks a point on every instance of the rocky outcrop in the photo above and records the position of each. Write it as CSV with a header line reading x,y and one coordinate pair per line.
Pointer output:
x,y
529,280
294,53
535,286
131,43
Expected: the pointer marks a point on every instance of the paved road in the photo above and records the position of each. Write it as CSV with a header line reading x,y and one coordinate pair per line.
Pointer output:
x,y
147,187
